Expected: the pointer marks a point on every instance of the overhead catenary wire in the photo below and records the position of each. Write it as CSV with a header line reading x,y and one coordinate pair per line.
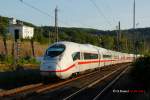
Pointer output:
x,y
64,22
41,11
47,14
100,12
110,9
37,9
80,23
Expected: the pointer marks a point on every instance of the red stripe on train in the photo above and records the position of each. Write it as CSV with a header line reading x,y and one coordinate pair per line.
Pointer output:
x,y
94,61
63,69
81,63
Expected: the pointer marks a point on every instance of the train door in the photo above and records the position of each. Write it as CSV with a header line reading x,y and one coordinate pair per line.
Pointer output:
x,y
99,58
87,64
76,58
102,60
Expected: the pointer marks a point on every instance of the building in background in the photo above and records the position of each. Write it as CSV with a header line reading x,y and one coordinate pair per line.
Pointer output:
x,y
17,29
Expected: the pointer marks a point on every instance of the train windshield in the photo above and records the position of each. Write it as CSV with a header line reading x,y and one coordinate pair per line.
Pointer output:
x,y
55,50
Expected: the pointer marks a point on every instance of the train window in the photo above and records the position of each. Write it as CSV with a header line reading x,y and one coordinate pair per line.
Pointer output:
x,y
107,56
94,56
87,56
55,50
90,56
76,56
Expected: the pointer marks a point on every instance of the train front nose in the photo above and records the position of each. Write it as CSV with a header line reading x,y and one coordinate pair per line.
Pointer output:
x,y
53,55
49,68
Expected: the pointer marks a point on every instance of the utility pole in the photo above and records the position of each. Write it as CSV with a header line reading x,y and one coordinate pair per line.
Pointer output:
x,y
56,23
49,36
118,36
135,51
134,15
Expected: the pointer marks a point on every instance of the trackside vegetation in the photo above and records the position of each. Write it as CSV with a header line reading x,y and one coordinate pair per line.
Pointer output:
x,y
7,62
131,41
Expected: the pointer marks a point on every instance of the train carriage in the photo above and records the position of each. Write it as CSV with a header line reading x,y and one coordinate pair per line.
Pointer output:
x,y
63,59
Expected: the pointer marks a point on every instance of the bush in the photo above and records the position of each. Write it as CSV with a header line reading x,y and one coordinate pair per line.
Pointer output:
x,y
7,62
6,59
27,60
2,58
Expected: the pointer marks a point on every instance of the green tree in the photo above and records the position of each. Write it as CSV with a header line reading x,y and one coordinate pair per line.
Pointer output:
x,y
3,32
107,42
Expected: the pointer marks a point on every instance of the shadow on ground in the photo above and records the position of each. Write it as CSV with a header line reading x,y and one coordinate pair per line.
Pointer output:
x,y
12,79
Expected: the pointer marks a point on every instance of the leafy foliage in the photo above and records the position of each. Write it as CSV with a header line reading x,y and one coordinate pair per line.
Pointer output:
x,y
27,60
6,59
131,41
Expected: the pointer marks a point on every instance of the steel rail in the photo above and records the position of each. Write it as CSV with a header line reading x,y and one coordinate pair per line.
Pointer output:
x,y
91,84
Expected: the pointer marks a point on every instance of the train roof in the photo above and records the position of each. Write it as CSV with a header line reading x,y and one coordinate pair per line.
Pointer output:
x,y
83,46
88,47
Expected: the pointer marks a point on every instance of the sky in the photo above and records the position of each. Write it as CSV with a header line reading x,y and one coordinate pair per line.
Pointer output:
x,y
97,14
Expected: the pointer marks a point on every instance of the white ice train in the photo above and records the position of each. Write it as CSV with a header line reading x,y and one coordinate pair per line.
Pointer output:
x,y
64,59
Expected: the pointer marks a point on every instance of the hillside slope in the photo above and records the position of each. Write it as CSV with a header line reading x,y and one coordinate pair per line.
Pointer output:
x,y
130,41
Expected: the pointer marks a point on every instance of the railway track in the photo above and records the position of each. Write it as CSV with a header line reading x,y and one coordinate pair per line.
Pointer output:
x,y
35,90
109,85
77,94
75,88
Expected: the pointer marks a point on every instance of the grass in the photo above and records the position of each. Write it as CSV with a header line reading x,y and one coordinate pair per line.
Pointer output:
x,y
27,69
27,62
25,72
